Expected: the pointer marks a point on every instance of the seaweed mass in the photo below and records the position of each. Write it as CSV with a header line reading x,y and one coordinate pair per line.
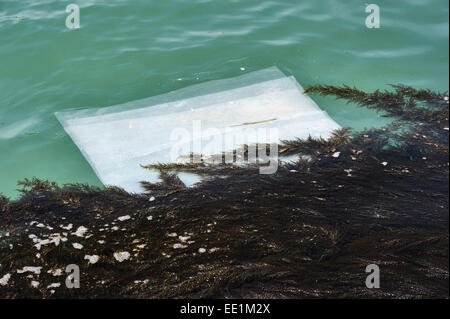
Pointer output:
x,y
379,196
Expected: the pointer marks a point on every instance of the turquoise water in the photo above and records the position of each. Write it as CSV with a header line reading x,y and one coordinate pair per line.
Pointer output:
x,y
131,49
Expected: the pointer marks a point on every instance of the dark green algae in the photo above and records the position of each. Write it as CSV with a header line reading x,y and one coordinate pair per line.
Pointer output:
x,y
308,231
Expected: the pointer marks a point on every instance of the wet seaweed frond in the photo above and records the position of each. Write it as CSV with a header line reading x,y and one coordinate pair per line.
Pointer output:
x,y
35,185
169,182
3,201
403,103
311,146
173,166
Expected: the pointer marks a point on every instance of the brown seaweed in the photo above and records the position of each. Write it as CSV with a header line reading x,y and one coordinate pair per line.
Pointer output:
x,y
307,231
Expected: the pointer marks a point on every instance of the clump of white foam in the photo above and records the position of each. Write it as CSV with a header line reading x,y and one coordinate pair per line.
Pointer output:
x,y
80,232
68,227
54,285
184,238
4,280
55,272
121,256
77,246
92,259
35,270
336,154
124,218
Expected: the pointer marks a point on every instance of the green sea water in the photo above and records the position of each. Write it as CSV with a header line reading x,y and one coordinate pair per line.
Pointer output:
x,y
132,49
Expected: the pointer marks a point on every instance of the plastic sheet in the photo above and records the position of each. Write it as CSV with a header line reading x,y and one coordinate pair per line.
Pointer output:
x,y
117,140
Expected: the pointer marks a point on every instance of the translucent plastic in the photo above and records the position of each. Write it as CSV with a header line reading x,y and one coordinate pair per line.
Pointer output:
x,y
117,140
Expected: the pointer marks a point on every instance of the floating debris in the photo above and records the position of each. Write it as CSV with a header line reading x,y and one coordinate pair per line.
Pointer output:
x,y
4,280
184,238
80,231
124,218
68,227
92,259
273,235
121,256
55,272
35,270
54,285
77,246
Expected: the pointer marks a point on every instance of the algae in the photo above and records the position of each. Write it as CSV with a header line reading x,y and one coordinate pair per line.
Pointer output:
x,y
374,197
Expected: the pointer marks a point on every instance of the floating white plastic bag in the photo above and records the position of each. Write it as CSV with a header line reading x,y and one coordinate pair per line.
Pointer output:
x,y
259,107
